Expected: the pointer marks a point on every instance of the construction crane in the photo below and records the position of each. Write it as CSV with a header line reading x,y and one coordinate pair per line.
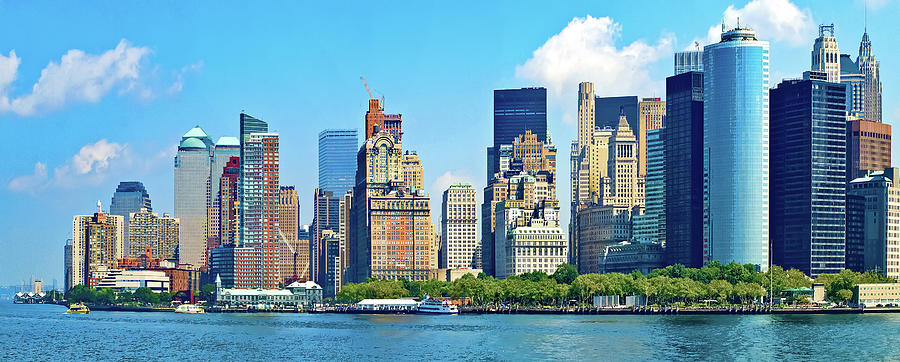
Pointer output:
x,y
370,92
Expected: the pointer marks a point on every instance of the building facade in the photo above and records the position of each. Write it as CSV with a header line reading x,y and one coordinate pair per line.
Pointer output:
x,y
736,149
289,251
516,111
411,168
130,196
689,61
259,193
149,230
459,241
808,191
868,147
880,242
97,246
377,121
192,170
337,159
326,218
627,257
652,112
826,56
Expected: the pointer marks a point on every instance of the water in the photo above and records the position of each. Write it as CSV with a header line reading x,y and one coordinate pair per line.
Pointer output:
x,y
43,332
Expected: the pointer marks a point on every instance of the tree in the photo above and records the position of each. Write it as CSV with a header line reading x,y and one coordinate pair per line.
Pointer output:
x,y
144,295
565,273
81,294
844,295
207,291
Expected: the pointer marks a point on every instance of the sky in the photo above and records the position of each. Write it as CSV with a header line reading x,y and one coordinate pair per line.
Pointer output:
x,y
94,95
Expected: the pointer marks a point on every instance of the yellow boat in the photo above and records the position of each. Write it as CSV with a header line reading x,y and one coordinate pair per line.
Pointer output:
x,y
78,308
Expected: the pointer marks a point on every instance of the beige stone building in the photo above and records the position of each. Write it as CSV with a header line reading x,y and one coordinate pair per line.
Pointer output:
x,y
459,241
97,246
148,230
290,249
651,111
411,167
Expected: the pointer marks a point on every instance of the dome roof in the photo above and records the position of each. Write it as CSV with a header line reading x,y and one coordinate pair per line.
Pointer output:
x,y
228,141
192,143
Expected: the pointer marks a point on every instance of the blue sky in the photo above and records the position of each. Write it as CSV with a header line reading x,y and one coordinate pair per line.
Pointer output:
x,y
94,95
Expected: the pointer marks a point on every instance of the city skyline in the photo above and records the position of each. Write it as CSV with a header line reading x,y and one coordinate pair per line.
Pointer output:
x,y
129,151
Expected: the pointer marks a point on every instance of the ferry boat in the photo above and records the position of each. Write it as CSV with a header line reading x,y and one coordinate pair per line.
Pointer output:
x,y
189,308
436,306
78,308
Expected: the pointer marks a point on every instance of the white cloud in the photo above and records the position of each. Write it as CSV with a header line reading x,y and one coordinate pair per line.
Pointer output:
x,y
874,4
441,184
773,20
586,50
88,166
27,183
178,84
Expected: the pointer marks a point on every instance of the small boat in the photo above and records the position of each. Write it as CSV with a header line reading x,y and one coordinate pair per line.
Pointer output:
x,y
78,308
189,308
436,306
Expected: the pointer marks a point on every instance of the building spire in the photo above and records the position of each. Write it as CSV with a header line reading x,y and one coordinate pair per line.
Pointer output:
x,y
99,210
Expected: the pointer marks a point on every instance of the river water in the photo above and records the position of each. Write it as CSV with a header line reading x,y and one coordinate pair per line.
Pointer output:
x,y
43,332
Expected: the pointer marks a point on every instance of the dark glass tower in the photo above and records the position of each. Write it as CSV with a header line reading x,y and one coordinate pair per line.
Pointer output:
x,y
808,194
337,160
608,109
515,111
683,139
130,196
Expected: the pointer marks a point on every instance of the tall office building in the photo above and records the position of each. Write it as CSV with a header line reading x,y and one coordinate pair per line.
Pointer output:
x,y
580,160
220,155
826,57
288,226
330,264
870,68
411,168
459,240
879,243
259,192
377,121
149,230
808,188
856,87
130,196
97,246
736,149
337,159
303,234
345,206
655,188
868,147
192,182
586,121
684,170
608,109
652,113
515,111
689,61
68,273
228,201
326,217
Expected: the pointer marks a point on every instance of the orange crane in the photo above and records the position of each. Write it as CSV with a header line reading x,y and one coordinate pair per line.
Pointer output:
x,y
370,92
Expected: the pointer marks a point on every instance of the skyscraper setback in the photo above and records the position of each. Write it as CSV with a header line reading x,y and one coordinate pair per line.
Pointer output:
x,y
736,149
515,111
130,196
826,55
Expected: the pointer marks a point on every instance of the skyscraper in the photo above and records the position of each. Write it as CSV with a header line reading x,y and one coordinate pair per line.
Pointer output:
x,y
868,147
288,225
68,268
259,194
326,216
826,57
220,154
130,196
337,160
736,149
608,109
377,120
458,224
96,246
149,230
684,170
880,243
652,113
192,183
689,61
655,187
515,111
870,68
411,167
808,184
229,204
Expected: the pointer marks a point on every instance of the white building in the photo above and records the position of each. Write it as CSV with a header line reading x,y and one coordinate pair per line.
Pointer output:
x,y
131,280
527,245
458,228
296,294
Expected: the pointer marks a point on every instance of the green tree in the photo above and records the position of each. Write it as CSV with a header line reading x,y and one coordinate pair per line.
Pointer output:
x,y
207,291
844,296
106,296
565,273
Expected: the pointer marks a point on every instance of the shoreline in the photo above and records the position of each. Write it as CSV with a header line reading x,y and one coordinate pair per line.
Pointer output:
x,y
533,311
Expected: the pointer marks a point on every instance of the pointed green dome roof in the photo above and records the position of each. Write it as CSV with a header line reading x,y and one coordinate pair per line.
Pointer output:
x,y
192,142
195,132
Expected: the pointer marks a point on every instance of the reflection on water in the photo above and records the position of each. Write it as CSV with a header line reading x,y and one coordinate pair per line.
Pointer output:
x,y
29,329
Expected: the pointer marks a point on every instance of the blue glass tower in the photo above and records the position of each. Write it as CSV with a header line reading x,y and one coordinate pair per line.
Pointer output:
x,y
337,160
736,149
130,196
515,111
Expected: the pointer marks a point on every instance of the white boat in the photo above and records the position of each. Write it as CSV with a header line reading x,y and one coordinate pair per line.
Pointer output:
x,y
436,306
189,308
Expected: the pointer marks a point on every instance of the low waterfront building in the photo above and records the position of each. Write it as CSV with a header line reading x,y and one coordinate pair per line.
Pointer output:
x,y
874,295
396,305
304,294
131,280
627,257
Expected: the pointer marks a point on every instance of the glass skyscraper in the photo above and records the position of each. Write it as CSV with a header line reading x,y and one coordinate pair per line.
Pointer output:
x,y
608,109
130,196
808,176
192,185
684,170
736,149
515,111
337,160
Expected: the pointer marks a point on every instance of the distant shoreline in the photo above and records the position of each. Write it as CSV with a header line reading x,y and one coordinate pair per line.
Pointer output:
x,y
536,311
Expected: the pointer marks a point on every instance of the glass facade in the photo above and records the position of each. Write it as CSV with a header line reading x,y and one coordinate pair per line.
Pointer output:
x,y
192,184
736,149
688,61
337,160
655,186
517,110
130,196
608,109
808,184
684,170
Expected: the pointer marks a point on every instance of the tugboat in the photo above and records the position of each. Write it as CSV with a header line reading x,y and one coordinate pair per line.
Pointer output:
x,y
78,308
436,306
